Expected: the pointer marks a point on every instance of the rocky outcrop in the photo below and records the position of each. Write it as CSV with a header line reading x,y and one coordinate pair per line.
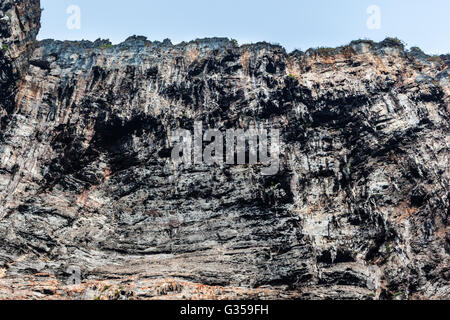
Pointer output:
x,y
19,25
359,208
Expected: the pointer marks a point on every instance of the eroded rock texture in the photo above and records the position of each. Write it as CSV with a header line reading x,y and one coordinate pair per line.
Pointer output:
x,y
358,210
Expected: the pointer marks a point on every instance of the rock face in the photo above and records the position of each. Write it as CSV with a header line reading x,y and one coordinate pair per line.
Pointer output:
x,y
19,25
359,208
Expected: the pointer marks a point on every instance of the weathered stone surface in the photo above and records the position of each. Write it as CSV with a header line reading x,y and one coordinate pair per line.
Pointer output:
x,y
19,25
358,210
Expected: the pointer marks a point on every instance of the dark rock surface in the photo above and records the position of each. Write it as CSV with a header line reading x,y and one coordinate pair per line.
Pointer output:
x,y
359,208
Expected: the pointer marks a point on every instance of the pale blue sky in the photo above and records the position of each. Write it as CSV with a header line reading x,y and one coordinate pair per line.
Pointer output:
x,y
294,24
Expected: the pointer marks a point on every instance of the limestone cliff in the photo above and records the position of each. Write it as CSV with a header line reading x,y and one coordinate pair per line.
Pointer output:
x,y
359,208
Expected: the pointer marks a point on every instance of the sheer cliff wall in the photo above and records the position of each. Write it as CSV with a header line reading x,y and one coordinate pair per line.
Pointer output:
x,y
359,208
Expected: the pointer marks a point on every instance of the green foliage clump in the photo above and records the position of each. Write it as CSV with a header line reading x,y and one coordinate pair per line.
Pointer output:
x,y
5,47
106,46
364,40
417,49
388,249
394,42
